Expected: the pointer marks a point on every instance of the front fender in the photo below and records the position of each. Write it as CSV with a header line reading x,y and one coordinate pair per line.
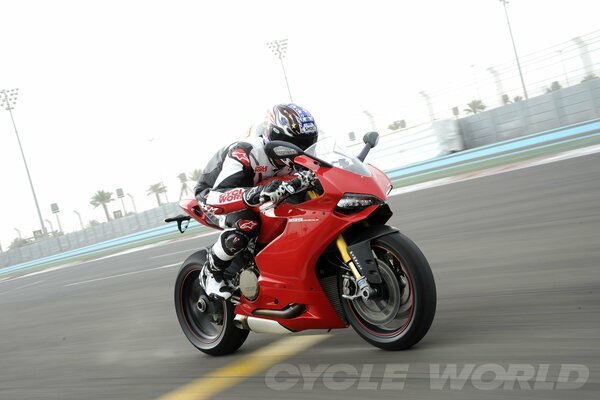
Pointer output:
x,y
359,248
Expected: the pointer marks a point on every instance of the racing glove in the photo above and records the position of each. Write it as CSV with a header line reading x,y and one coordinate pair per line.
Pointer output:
x,y
272,191
304,179
276,189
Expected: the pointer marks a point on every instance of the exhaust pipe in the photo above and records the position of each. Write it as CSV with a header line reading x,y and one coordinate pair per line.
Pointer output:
x,y
259,325
291,311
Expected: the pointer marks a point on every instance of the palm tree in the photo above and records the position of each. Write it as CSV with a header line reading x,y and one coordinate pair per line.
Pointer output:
x,y
18,242
553,87
102,198
516,99
195,176
475,106
184,187
397,125
589,78
156,190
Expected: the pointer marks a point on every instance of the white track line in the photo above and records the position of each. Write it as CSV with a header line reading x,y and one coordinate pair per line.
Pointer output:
x,y
584,151
121,275
21,287
171,254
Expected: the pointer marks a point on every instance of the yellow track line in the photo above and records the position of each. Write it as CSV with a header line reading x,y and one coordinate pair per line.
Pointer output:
x,y
228,376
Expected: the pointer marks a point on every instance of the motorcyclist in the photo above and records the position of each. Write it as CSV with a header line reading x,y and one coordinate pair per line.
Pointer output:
x,y
227,188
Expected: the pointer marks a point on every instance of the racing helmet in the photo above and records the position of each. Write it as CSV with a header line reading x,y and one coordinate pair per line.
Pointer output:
x,y
291,123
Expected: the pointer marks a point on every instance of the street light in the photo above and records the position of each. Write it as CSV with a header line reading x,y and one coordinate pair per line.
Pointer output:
x,y
514,48
133,203
9,99
498,81
475,81
80,220
562,62
584,53
371,120
279,47
429,105
51,226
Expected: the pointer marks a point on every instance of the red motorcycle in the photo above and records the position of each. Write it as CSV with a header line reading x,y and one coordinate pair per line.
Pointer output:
x,y
324,259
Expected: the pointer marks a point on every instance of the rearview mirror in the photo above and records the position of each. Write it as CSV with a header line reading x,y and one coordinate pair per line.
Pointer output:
x,y
278,149
371,138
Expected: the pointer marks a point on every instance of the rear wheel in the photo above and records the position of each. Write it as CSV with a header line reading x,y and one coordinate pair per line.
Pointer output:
x,y
402,311
207,323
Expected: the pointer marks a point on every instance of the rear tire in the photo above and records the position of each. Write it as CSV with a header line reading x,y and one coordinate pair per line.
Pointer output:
x,y
401,314
211,331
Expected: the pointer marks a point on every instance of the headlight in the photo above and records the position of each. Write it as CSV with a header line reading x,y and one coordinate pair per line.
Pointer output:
x,y
352,203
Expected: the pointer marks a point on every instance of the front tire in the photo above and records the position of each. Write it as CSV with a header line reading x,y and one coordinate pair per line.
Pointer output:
x,y
210,330
401,313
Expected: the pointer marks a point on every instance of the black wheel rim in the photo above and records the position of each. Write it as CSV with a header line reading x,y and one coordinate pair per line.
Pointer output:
x,y
199,324
391,312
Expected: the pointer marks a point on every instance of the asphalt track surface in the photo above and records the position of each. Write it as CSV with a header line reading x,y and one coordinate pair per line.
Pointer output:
x,y
516,257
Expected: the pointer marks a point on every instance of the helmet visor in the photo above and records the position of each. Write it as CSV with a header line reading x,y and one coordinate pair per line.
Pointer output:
x,y
304,142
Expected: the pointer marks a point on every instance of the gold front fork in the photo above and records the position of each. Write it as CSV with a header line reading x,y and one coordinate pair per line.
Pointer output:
x,y
342,246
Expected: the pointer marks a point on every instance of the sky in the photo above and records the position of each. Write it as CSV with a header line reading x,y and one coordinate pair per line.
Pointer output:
x,y
125,94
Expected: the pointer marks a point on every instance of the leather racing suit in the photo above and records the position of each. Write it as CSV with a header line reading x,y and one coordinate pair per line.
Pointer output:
x,y
230,173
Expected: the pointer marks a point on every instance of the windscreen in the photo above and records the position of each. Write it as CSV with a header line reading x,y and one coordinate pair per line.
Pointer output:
x,y
329,150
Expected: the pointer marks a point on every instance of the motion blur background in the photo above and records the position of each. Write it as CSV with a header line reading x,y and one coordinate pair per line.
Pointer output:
x,y
132,94
120,102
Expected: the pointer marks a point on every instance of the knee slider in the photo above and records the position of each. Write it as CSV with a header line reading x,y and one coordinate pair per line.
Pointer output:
x,y
234,242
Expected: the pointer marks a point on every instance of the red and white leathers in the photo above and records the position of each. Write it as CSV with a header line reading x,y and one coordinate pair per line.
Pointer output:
x,y
232,172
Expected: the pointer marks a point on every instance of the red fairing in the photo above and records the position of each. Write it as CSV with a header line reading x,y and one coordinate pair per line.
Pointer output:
x,y
192,207
294,236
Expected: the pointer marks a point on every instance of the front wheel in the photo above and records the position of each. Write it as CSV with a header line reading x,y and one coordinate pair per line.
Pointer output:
x,y
208,324
401,312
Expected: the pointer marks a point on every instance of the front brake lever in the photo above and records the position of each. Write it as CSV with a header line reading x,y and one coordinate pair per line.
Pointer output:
x,y
267,207
271,205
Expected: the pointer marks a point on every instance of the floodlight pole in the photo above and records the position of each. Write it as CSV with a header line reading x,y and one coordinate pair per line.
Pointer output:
x,y
279,48
9,100
514,49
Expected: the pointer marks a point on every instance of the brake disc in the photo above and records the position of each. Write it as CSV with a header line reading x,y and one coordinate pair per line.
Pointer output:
x,y
384,308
